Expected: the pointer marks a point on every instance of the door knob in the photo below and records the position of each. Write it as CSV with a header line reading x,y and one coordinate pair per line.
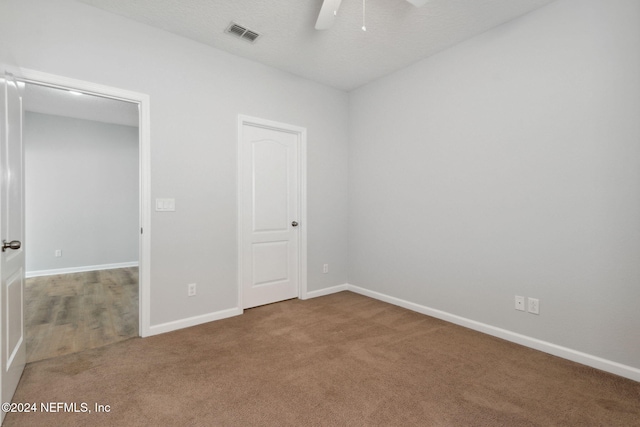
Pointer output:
x,y
14,244
294,224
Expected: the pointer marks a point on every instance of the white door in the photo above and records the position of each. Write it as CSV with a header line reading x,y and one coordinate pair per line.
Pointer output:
x,y
271,221
12,235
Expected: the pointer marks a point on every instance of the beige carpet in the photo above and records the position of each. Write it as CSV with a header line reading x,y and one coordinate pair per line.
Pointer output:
x,y
343,359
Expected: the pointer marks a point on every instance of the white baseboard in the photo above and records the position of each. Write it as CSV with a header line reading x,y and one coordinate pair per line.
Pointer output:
x,y
325,291
544,346
82,269
219,315
193,321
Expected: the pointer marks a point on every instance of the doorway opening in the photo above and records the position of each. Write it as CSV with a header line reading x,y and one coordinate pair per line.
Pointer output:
x,y
81,220
126,275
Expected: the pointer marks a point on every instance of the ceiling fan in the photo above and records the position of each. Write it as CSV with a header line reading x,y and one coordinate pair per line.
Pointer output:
x,y
329,10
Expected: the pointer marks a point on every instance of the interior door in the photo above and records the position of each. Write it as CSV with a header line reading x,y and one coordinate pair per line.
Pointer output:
x,y
270,214
12,234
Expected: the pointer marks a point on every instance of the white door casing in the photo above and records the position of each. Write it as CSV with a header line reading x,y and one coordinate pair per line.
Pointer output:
x,y
143,101
272,212
11,229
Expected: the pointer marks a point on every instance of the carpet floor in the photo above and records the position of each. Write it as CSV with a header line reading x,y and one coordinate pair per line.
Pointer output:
x,y
338,360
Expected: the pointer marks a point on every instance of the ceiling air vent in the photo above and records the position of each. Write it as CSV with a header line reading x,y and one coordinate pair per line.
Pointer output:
x,y
242,32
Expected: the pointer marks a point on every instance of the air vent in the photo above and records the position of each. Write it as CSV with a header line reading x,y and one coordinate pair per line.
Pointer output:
x,y
242,32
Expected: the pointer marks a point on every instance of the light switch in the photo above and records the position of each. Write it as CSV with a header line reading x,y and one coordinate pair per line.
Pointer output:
x,y
165,205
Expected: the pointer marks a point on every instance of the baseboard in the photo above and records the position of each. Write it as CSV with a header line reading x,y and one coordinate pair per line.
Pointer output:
x,y
544,346
82,269
219,315
325,291
193,321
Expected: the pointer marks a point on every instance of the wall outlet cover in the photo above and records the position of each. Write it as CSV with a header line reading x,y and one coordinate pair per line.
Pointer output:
x,y
191,289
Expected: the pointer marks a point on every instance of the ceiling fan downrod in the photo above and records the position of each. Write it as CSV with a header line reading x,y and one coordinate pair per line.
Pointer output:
x,y
364,25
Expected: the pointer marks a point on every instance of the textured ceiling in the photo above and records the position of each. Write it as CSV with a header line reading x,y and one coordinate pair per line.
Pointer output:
x,y
344,56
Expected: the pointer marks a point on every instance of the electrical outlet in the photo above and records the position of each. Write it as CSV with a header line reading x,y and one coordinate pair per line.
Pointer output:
x,y
519,303
325,268
191,289
534,305
58,253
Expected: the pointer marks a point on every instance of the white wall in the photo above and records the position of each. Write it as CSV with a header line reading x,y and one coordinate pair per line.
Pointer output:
x,y
196,94
81,192
510,165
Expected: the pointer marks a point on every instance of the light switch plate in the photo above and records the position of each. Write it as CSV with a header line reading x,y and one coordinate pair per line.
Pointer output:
x,y
165,205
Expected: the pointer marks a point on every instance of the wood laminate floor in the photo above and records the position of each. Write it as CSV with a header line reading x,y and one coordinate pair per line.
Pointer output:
x,y
67,313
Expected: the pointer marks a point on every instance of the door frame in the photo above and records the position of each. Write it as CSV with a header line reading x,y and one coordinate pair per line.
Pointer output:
x,y
144,169
302,197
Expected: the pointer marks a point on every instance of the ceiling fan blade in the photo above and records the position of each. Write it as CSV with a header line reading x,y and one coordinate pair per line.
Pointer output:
x,y
327,14
418,3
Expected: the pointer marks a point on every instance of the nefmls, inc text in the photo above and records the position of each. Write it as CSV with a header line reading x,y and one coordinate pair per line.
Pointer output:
x,y
73,407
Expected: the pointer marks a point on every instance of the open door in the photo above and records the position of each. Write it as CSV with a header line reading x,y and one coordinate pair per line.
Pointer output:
x,y
12,340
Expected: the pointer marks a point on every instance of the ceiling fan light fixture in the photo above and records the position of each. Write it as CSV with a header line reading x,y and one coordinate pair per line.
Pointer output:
x,y
328,13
